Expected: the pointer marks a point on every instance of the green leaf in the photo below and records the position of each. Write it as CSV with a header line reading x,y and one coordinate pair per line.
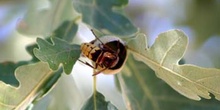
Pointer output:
x,y
105,16
7,72
44,16
163,57
142,90
31,79
7,68
59,52
49,84
99,103
30,49
66,31
64,96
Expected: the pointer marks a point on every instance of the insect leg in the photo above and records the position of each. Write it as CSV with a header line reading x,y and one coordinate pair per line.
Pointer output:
x,y
86,63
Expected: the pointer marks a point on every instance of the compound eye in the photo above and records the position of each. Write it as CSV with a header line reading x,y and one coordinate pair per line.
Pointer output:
x,y
110,62
107,62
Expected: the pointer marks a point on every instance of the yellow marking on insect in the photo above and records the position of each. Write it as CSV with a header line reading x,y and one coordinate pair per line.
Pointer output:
x,y
88,49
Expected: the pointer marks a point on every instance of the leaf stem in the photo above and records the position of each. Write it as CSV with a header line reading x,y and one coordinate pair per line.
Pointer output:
x,y
94,91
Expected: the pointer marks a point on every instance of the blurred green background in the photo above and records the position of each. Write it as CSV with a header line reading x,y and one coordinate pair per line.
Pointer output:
x,y
199,19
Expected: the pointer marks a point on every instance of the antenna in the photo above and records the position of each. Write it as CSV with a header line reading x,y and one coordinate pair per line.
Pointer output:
x,y
96,36
103,43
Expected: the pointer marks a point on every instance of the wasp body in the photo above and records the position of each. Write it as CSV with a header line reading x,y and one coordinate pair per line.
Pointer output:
x,y
107,56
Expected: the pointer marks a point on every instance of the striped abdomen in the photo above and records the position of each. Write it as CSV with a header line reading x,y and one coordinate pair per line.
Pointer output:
x,y
91,51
